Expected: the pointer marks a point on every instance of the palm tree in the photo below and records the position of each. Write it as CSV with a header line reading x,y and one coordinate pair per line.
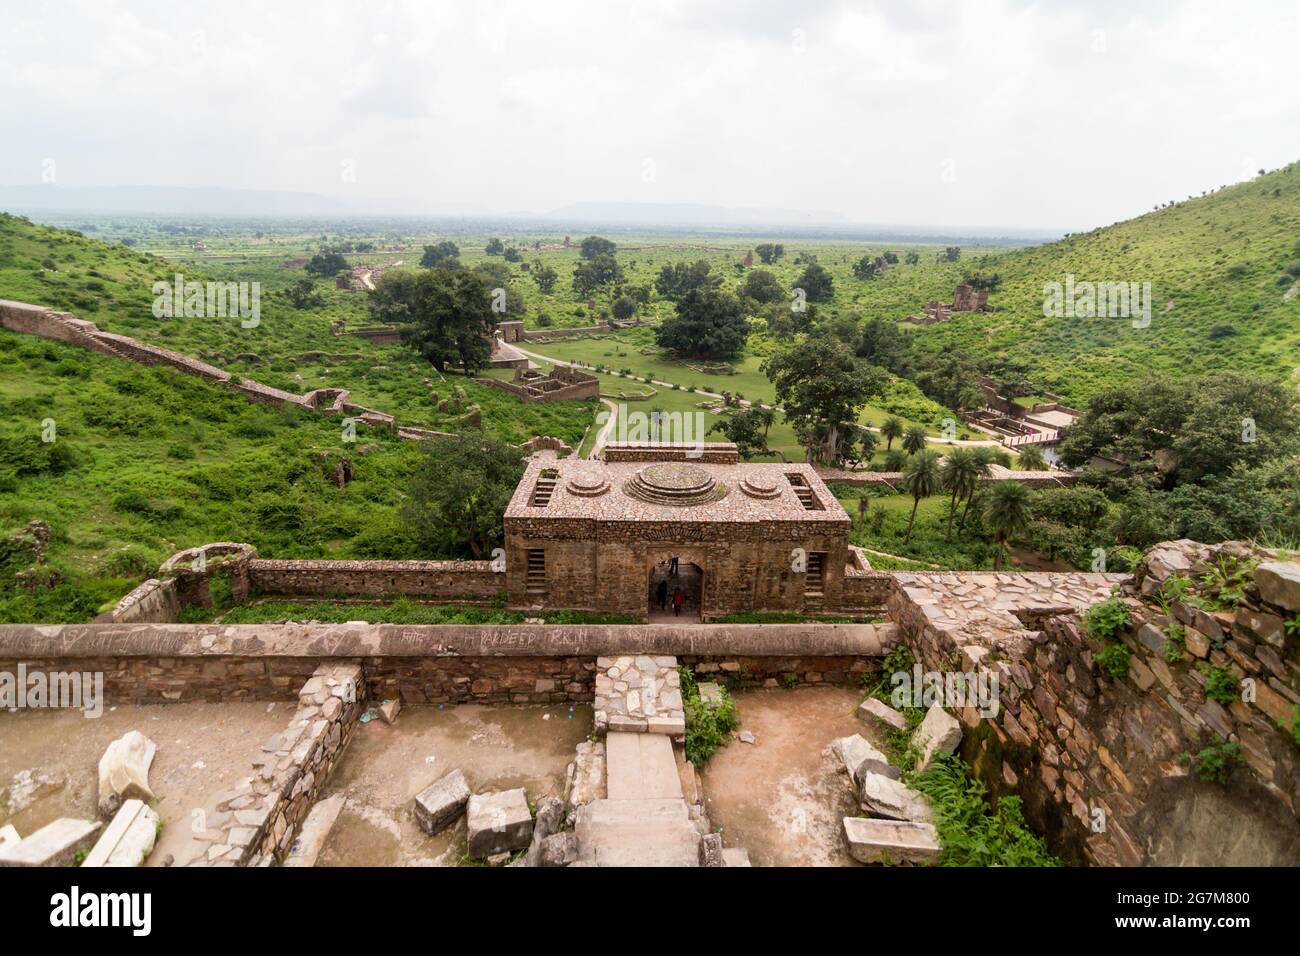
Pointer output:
x,y
891,429
961,474
1031,458
922,479
766,416
1006,512
914,439
984,455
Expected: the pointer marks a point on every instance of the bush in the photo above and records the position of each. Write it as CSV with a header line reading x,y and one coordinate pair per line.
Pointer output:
x,y
1107,618
1220,684
708,726
1114,660
1216,762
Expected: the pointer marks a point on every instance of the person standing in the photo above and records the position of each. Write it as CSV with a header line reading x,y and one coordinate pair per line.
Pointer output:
x,y
661,594
678,598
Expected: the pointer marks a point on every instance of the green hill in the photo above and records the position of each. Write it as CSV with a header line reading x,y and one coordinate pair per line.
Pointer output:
x,y
1223,270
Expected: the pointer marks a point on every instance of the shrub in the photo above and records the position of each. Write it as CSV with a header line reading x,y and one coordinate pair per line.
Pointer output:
x,y
1114,660
1216,762
708,726
1176,644
1220,684
971,833
1105,619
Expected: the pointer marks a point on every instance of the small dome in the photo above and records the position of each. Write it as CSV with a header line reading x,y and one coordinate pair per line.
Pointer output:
x,y
675,484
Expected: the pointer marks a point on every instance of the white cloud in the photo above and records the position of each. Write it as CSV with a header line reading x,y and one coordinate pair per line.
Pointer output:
x,y
1056,115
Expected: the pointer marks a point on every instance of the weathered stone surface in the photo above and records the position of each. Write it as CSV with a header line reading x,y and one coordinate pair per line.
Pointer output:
x,y
710,692
315,831
585,780
8,836
498,823
735,856
128,840
882,796
891,841
871,707
1279,583
711,850
389,710
558,849
856,752
56,844
940,732
124,771
442,802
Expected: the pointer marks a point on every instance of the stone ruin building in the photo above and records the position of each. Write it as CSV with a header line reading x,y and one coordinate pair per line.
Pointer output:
x,y
601,535
965,298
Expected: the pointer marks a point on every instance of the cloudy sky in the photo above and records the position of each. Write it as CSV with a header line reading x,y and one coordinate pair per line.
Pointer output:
x,y
999,113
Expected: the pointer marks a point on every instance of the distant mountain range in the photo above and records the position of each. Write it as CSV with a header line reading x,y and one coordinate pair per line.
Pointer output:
x,y
39,199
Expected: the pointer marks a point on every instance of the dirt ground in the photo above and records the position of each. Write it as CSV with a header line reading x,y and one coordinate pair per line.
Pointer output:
x,y
49,761
384,767
783,798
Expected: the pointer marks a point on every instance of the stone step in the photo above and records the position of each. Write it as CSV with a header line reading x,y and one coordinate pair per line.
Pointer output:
x,y
615,812
641,767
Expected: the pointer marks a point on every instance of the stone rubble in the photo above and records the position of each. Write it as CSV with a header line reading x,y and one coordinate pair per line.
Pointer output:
x,y
639,694
55,844
128,840
315,831
124,771
891,841
499,822
939,732
871,707
442,802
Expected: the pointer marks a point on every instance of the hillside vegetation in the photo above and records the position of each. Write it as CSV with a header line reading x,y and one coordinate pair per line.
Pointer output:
x,y
1223,270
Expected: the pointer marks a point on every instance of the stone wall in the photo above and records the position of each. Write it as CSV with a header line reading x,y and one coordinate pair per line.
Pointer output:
x,y
153,602
447,580
864,588
526,663
1106,765
255,820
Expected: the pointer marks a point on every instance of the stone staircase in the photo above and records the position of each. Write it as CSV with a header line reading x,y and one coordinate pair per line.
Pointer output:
x,y
645,820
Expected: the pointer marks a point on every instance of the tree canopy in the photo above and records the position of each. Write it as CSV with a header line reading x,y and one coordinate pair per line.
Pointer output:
x,y
444,314
708,323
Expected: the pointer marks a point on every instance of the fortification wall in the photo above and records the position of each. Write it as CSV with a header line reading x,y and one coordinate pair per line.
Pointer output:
x,y
152,602
1107,765
431,579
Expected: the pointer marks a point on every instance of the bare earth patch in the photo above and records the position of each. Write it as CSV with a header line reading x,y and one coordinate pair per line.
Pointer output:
x,y
384,767
49,762
783,798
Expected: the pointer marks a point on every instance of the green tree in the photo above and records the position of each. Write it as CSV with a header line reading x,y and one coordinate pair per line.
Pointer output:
x,y
914,439
891,429
961,475
769,252
326,264
762,286
883,343
679,278
624,308
745,429
545,277
819,382
593,247
444,314
494,247
460,493
817,283
708,323
1031,458
1006,512
439,254
596,273
303,295
922,478
984,458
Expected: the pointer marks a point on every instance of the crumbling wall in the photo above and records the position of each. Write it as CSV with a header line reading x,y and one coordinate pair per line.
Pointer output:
x,y
448,580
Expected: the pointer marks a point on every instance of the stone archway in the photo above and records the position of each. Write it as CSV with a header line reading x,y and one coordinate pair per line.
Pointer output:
x,y
668,573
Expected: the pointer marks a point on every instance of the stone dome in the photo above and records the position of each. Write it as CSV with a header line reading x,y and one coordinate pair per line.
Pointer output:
x,y
673,483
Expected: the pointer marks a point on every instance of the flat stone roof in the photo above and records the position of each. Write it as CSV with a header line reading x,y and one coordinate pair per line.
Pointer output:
x,y
675,491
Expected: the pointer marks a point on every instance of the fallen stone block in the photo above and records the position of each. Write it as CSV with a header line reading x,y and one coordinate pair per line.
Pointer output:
x,y
585,781
56,844
498,823
884,797
558,849
856,751
891,841
389,710
546,823
735,856
128,840
710,693
940,732
711,850
1279,583
315,831
882,712
437,806
124,771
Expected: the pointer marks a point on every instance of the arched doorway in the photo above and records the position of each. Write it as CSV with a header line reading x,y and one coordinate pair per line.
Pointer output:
x,y
668,577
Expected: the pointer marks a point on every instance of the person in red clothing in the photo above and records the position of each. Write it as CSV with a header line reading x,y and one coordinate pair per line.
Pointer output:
x,y
678,598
